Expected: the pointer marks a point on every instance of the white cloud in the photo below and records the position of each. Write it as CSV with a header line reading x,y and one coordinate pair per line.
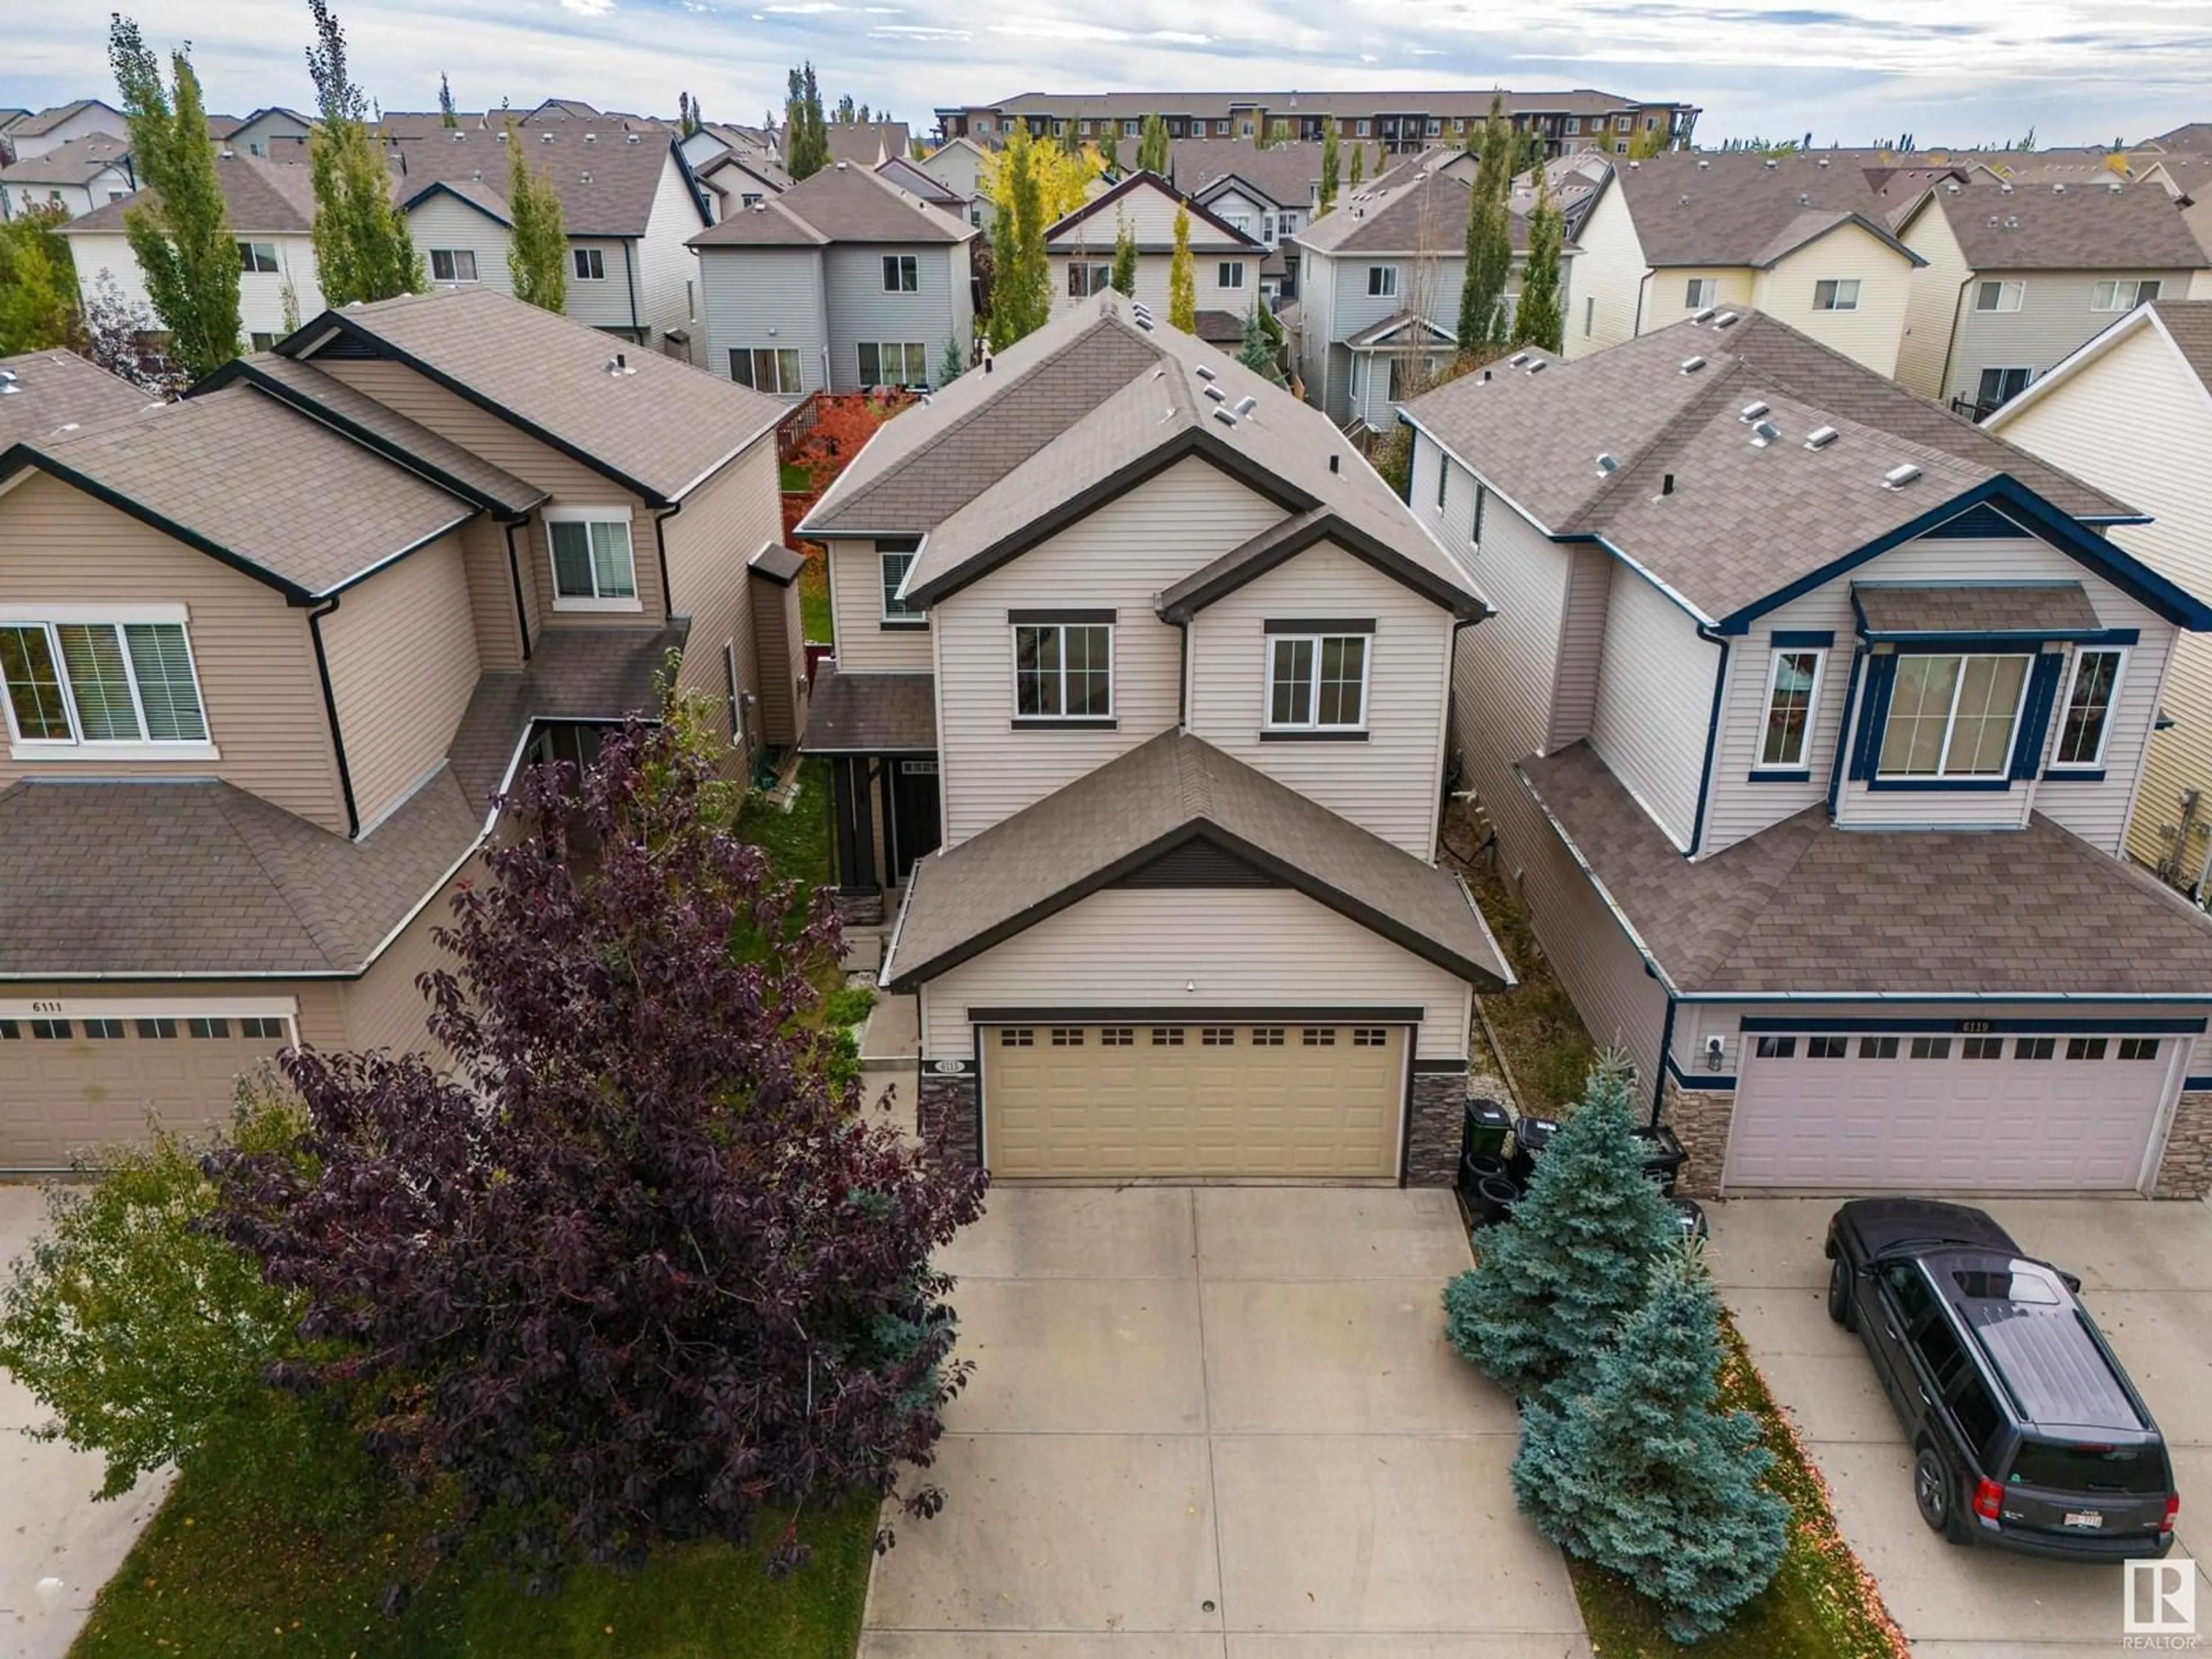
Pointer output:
x,y
588,7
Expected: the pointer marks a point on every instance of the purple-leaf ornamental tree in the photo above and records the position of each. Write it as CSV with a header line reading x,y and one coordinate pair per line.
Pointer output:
x,y
634,1270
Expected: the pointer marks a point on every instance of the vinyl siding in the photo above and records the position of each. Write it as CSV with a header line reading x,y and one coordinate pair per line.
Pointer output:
x,y
1316,298
780,650
1872,333
1505,668
1665,295
664,264
261,309
723,523
859,309
384,1008
1240,947
1737,807
1429,284
615,301
864,644
1937,302
1119,557
1153,272
403,661
768,298
1582,645
491,592
2053,319
444,221
2090,424
1655,694
1609,274
255,660
1389,784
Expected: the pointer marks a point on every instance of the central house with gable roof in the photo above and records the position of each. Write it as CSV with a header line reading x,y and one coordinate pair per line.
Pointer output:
x,y
1138,714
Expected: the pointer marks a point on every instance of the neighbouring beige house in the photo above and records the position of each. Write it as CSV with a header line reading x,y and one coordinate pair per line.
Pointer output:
x,y
2150,372
1226,261
75,176
271,653
1799,238
1136,729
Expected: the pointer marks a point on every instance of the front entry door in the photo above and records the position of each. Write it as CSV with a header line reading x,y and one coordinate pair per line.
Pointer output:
x,y
917,828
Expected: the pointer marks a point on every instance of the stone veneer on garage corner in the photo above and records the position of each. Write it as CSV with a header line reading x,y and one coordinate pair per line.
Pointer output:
x,y
1438,1111
946,1101
2185,1170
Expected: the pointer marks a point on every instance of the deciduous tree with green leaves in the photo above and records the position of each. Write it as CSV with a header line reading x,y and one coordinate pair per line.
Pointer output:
x,y
38,282
1358,165
445,116
1152,152
805,134
1539,320
1021,280
178,224
1125,258
1332,167
363,250
1182,275
1489,237
536,242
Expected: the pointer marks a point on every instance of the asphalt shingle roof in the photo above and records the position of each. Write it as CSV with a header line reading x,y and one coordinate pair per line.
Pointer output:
x,y
602,674
2096,226
839,204
1152,798
264,198
2039,608
1735,209
1806,906
607,185
664,425
869,714
2190,323
52,388
74,161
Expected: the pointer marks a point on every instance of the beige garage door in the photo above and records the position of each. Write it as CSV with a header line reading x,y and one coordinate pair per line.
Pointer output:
x,y
67,1085
1193,1101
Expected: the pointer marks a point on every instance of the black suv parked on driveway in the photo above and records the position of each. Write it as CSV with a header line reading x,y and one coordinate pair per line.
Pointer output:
x,y
2026,1432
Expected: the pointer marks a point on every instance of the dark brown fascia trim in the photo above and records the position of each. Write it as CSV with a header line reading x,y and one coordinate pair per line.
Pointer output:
x,y
1289,874
19,455
1192,596
1281,1014
436,185
1192,441
461,389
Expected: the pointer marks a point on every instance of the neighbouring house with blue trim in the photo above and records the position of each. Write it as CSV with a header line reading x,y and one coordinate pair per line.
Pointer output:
x,y
1809,727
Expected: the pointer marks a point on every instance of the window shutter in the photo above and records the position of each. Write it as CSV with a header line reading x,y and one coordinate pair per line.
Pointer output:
x,y
1874,714
2035,715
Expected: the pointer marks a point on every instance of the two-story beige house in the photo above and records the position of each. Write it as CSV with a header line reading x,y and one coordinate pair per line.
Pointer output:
x,y
1225,261
1138,714
1809,726
271,654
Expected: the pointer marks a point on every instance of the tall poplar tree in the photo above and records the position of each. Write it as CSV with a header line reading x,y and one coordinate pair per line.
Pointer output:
x,y
1489,238
1152,146
1538,320
362,247
178,225
445,116
1332,168
805,134
1358,165
537,242
1021,280
1125,259
1182,275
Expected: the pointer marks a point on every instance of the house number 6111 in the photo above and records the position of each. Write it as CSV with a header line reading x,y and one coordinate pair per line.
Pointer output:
x,y
47,1007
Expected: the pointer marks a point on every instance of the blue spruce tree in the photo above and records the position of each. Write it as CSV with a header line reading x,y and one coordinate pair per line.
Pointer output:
x,y
1556,1279
1630,1468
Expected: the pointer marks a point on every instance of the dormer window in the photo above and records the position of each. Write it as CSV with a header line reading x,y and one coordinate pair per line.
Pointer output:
x,y
1952,716
107,683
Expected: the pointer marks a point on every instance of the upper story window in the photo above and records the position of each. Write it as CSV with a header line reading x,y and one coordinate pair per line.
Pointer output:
x,y
771,369
590,264
251,256
453,264
900,274
1086,279
2086,721
1221,129
1231,274
1839,294
1316,681
894,558
1361,128
1129,128
1952,716
1793,687
1699,292
594,568
106,683
2123,296
1574,124
1381,282
1997,295
1624,124
1063,670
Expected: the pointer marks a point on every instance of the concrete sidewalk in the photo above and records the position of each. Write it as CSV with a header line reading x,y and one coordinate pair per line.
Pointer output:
x,y
2144,1269
56,1545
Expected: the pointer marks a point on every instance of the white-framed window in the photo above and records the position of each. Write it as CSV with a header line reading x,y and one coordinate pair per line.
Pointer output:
x,y
772,369
2085,713
1231,274
1792,691
591,264
1085,278
1836,294
253,256
1130,129
1624,124
1361,128
261,341
1059,128
1999,387
1998,294
453,264
894,362
1381,282
1240,220
101,683
1952,716
594,567
1221,129
1620,147
1574,124
1317,682
1244,129
1063,670
894,558
2124,295
1433,126
1699,291
983,124
900,274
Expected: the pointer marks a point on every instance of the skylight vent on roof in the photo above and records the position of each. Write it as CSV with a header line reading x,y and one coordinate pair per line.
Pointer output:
x,y
1726,319
1820,437
1691,365
629,138
1607,466
1897,477
1536,365
1205,372
1217,394
1246,404
1771,164
1751,411
1224,417
1518,359
1764,433
1705,316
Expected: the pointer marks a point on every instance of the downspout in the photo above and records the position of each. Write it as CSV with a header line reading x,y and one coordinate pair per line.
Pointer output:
x,y
661,544
1642,283
330,710
1666,1048
629,279
1712,732
1951,345
514,576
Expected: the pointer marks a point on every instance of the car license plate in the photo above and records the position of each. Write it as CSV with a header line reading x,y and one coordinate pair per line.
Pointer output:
x,y
2084,1518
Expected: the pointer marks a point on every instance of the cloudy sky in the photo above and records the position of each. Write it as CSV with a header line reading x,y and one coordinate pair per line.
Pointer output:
x,y
1982,71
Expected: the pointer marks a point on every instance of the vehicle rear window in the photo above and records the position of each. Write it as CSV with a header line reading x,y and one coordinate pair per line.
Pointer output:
x,y
1997,1286
2074,1467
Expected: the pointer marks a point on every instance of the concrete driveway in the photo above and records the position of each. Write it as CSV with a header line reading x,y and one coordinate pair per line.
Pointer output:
x,y
2146,1272
56,1545
1219,1423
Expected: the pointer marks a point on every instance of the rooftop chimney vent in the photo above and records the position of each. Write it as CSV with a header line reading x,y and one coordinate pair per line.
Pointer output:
x,y
586,178
1703,162
1820,437
1771,164
629,138
591,137
1703,316
545,137
1897,477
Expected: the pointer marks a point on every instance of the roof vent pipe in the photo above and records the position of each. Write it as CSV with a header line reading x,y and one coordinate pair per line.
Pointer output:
x,y
1607,466
1665,484
1245,405
1334,461
1217,394
1536,365
2058,189
1763,434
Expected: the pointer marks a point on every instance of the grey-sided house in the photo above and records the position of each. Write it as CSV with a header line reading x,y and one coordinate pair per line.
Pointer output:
x,y
1137,726
1808,726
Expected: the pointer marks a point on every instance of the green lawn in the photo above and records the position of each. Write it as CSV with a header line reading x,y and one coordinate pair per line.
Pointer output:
x,y
792,476
796,842
225,1570
814,602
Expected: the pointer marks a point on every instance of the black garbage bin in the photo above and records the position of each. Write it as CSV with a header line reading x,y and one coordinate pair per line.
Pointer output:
x,y
1530,1136
1487,1125
1663,1155
1492,1200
